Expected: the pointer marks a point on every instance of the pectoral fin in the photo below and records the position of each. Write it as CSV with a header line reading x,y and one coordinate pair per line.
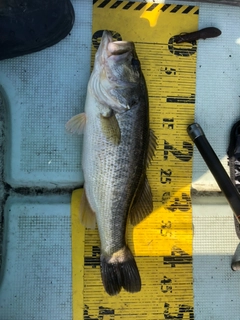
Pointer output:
x,y
110,128
77,123
152,145
142,205
87,216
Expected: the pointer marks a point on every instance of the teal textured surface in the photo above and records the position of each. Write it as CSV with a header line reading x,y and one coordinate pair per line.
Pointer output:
x,y
43,90
36,274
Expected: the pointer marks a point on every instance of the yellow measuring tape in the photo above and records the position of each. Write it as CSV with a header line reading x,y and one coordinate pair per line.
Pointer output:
x,y
162,243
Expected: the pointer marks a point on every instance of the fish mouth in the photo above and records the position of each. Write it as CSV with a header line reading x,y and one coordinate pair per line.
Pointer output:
x,y
114,48
119,47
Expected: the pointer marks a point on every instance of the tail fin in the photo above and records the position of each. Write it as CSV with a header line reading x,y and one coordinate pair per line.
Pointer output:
x,y
120,270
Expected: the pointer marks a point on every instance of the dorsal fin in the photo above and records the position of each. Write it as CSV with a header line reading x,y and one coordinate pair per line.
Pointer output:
x,y
152,145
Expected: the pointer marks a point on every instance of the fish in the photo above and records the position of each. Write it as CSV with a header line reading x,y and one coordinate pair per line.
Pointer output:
x,y
118,146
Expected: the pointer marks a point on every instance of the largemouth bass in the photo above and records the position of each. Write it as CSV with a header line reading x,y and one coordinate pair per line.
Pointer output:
x,y
117,147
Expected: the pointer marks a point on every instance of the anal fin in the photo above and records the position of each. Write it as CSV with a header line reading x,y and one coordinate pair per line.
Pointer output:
x,y
142,205
86,214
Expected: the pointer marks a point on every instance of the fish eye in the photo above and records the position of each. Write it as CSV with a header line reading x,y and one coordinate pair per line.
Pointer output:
x,y
135,62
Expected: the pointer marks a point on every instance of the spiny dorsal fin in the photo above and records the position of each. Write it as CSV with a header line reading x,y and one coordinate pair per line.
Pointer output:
x,y
110,128
152,145
77,123
142,204
86,214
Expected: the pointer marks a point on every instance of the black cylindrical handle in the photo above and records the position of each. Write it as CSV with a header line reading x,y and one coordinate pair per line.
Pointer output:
x,y
225,184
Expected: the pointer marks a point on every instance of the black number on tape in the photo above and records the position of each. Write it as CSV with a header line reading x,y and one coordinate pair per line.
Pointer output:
x,y
178,154
166,197
178,256
182,49
94,260
170,71
165,176
102,312
165,230
108,312
168,123
166,285
86,314
183,204
183,309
